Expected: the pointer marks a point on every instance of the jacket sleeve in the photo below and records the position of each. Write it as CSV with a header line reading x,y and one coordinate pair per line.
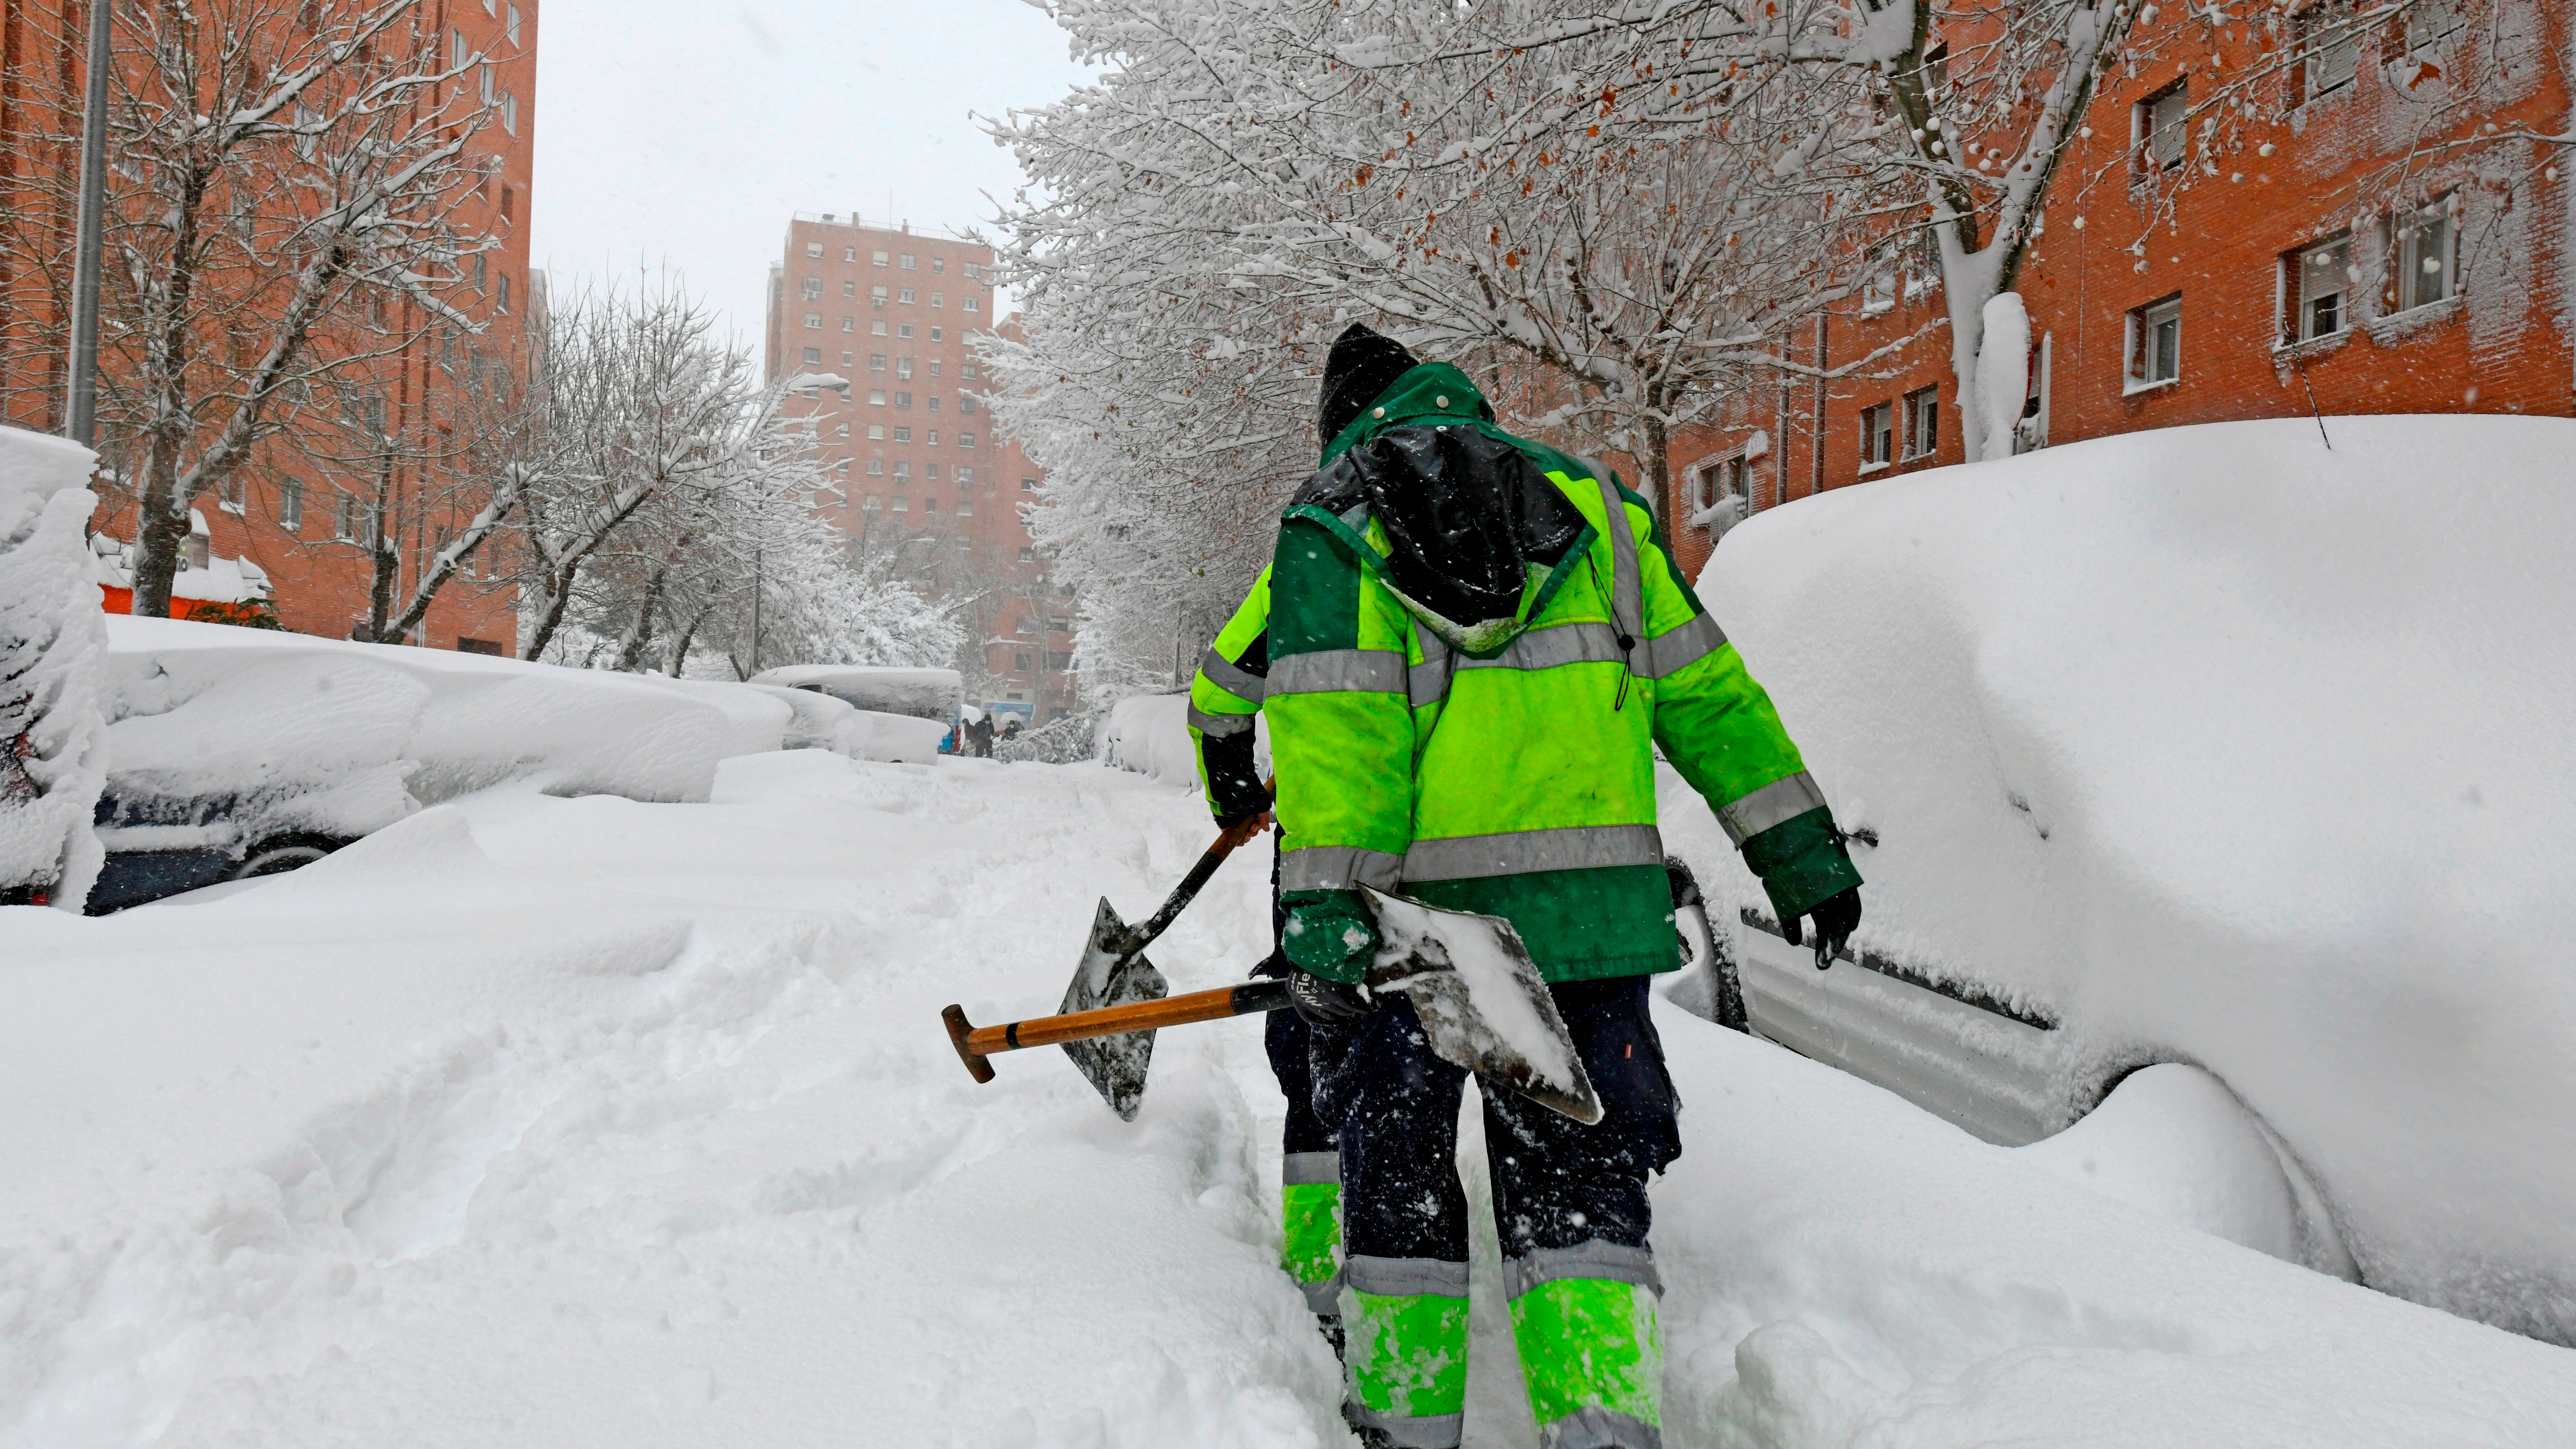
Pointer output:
x,y
1341,722
1719,729
1225,699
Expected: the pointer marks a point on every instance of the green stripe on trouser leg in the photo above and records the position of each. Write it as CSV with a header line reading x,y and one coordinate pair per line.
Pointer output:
x,y
1310,1244
1406,1353
1593,1355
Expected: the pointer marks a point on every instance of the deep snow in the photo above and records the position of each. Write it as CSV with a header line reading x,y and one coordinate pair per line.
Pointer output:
x,y
594,1122
2224,748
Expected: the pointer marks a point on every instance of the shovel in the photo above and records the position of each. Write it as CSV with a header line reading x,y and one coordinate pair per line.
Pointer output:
x,y
1471,981
1114,972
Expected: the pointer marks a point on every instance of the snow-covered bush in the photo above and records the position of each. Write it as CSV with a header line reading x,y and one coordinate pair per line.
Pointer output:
x,y
1150,734
1064,741
53,641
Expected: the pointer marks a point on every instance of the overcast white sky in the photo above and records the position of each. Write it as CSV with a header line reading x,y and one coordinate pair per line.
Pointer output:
x,y
683,133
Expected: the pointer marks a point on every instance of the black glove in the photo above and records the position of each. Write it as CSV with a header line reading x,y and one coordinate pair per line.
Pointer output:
x,y
1326,1003
1837,916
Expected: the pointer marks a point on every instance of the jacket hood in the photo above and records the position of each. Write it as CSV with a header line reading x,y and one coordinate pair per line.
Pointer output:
x,y
1433,392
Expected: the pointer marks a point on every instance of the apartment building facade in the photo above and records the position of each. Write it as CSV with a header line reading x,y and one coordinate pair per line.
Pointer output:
x,y
2365,256
297,529
919,471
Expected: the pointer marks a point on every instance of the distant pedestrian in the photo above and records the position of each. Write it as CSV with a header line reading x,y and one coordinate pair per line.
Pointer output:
x,y
979,736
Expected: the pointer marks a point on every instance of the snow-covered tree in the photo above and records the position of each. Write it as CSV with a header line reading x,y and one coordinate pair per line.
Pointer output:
x,y
279,212
53,660
1610,258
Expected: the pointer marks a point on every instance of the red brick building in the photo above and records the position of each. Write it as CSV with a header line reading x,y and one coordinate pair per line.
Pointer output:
x,y
2308,279
302,526
910,443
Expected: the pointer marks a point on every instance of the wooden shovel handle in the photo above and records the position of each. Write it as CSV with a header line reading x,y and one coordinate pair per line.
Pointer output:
x,y
975,1043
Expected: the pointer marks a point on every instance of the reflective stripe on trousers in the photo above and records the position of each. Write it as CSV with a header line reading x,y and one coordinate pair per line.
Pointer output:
x,y
1405,1349
1310,1239
1585,1318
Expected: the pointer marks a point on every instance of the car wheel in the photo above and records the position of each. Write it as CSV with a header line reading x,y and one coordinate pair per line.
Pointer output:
x,y
280,854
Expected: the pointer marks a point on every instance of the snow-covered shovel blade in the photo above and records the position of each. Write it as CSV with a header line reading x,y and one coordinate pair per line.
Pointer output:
x,y
1481,1001
1114,972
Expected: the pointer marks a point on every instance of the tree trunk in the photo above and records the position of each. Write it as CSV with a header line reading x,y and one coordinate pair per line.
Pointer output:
x,y
558,597
639,633
387,549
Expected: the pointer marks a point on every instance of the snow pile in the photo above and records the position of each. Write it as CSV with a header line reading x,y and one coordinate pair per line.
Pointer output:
x,y
936,694
1150,734
51,642
2220,747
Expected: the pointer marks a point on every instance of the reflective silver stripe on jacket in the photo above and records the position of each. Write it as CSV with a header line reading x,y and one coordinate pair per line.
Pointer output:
x,y
1676,649
1595,1259
1428,681
1222,673
1594,1427
1517,852
1781,800
1339,867
1300,1168
1324,1300
1404,1431
1405,1277
1218,726
1627,608
1588,643
1339,671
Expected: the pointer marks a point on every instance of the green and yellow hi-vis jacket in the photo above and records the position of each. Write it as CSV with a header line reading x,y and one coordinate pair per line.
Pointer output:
x,y
1224,698
1522,784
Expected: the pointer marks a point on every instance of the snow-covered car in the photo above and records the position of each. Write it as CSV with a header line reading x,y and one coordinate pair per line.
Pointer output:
x,y
903,715
2209,746
237,752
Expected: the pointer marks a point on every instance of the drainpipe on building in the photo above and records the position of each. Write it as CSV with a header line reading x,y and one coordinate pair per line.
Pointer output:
x,y
81,422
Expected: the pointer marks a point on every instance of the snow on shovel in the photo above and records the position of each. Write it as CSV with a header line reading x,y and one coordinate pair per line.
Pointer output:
x,y
1479,997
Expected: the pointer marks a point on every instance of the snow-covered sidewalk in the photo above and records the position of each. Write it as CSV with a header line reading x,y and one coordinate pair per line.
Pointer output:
x,y
588,1122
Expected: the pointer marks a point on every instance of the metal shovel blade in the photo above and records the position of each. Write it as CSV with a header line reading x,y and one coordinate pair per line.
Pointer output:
x,y
1481,1001
1113,973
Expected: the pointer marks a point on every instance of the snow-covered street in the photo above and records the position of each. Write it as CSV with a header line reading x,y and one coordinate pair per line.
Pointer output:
x,y
583,1121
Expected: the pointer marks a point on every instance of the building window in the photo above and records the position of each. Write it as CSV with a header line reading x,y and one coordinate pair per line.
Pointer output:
x,y
903,367
876,467
849,289
965,440
1021,662
2156,124
907,261
505,294
965,475
290,505
903,329
510,26
510,112
876,432
903,435
1028,485
849,324
2316,284
972,270
849,254
2422,246
1922,422
939,264
2155,344
813,357
967,304
876,296
934,363
967,369
480,261
344,518
902,505
1028,555
880,259
813,249
933,402
902,471
876,362
965,405
930,471
965,509
845,359
844,430
903,399
814,321
930,505
2328,47
876,398
876,327
871,503
904,295
1877,435
936,301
